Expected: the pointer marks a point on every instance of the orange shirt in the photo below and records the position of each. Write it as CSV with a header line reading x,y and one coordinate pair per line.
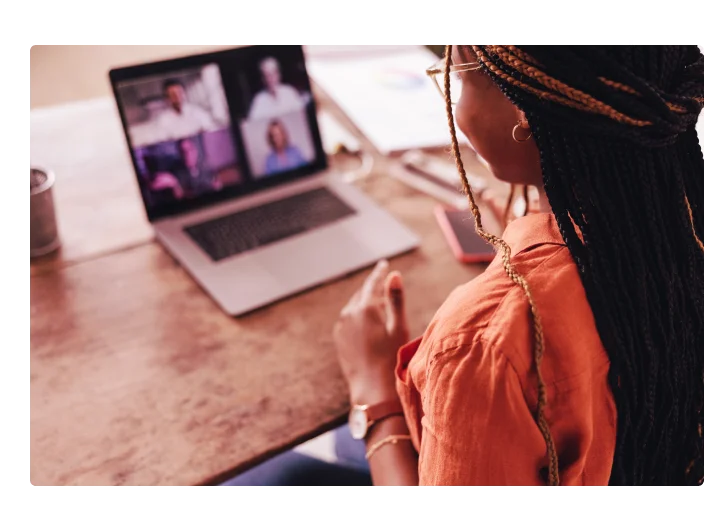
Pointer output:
x,y
468,385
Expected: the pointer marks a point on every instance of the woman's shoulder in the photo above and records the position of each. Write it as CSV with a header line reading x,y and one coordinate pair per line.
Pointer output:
x,y
494,311
485,303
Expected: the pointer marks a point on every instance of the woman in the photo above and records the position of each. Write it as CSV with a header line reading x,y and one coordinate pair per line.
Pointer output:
x,y
283,156
578,356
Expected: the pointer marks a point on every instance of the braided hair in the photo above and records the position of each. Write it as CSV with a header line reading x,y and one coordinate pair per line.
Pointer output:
x,y
624,173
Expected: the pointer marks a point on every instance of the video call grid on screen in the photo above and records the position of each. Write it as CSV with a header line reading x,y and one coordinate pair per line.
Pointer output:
x,y
210,127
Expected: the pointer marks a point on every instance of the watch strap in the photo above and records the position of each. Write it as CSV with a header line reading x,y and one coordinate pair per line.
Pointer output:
x,y
382,410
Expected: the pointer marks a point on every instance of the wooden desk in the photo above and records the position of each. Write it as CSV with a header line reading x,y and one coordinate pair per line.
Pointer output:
x,y
136,376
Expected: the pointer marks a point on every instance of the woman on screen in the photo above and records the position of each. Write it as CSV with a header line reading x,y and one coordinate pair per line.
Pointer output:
x,y
577,356
283,155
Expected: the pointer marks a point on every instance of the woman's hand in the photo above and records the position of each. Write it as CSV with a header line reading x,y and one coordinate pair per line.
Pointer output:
x,y
370,330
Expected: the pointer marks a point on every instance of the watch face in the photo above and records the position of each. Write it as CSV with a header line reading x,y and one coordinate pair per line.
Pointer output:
x,y
358,422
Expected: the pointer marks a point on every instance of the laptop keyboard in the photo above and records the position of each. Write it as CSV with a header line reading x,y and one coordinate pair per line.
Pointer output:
x,y
230,235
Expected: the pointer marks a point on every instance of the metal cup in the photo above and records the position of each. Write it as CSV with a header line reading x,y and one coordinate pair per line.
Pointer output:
x,y
44,236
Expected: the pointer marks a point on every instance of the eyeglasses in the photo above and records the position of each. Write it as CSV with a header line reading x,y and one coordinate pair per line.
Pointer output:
x,y
437,73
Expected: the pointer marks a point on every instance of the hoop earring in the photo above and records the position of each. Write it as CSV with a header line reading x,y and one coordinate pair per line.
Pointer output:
x,y
513,133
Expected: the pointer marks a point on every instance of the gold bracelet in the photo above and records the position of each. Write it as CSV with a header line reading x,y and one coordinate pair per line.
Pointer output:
x,y
391,439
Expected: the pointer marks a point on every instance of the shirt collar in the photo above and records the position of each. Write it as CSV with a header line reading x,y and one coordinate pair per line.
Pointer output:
x,y
532,230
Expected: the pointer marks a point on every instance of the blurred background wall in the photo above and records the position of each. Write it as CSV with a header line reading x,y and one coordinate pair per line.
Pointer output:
x,y
61,74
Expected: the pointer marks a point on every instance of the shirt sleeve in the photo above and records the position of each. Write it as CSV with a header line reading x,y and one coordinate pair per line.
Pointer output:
x,y
477,427
270,166
294,100
297,158
205,120
159,129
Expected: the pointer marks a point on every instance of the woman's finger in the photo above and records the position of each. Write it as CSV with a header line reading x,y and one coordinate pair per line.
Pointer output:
x,y
395,297
352,303
374,284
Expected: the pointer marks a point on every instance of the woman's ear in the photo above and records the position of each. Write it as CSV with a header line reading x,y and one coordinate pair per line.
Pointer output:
x,y
522,119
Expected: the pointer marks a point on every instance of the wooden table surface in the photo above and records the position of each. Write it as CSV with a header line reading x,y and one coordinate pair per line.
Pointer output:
x,y
136,376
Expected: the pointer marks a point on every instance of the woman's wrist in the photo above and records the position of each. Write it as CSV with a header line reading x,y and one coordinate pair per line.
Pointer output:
x,y
373,392
391,425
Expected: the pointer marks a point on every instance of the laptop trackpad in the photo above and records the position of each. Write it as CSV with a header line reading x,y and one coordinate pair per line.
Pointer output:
x,y
308,259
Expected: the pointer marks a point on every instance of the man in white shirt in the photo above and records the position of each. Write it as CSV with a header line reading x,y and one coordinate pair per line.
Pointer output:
x,y
181,118
277,98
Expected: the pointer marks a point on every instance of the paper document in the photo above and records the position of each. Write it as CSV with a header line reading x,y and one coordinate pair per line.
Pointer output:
x,y
387,95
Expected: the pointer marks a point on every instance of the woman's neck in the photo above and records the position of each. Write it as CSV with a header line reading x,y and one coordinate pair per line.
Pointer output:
x,y
543,202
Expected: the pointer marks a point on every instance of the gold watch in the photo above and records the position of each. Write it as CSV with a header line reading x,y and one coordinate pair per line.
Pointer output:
x,y
362,417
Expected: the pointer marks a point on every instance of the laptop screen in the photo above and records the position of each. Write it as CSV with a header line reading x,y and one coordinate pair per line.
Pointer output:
x,y
211,127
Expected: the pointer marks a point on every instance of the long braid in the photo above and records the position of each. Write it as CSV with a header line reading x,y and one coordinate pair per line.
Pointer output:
x,y
517,278
624,174
509,204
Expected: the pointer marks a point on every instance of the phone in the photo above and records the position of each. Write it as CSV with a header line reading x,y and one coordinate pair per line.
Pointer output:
x,y
465,243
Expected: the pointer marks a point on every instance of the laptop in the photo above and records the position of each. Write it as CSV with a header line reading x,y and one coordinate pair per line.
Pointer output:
x,y
235,181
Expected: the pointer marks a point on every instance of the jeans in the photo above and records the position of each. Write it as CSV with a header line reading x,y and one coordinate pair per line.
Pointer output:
x,y
296,469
